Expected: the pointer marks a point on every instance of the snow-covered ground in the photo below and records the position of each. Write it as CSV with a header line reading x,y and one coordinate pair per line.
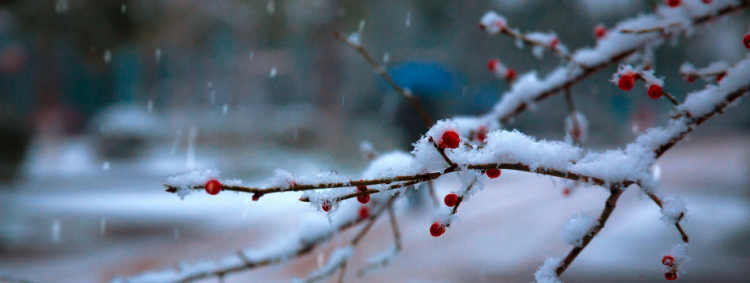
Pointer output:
x,y
120,222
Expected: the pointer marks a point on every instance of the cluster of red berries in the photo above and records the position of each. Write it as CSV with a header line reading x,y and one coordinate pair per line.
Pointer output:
x,y
510,74
363,199
450,139
627,82
669,262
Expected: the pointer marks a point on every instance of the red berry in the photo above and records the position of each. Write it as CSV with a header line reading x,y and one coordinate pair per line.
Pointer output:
x,y
655,92
213,187
363,199
707,1
600,31
364,212
482,134
566,192
627,81
553,43
510,75
493,173
451,200
492,65
720,77
437,229
746,40
690,79
481,26
668,260
673,3
326,206
450,139
671,276
256,196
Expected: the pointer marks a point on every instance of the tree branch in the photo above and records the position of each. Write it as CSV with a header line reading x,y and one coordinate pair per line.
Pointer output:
x,y
380,69
609,206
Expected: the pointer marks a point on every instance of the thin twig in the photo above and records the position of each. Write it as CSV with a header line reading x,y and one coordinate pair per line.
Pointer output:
x,y
527,40
659,203
433,195
609,206
576,134
442,153
648,30
342,271
394,228
380,69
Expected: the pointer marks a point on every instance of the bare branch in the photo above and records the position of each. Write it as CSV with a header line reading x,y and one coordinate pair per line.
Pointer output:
x,y
380,69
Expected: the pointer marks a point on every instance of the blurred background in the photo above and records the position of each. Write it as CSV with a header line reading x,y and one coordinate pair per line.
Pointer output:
x,y
101,100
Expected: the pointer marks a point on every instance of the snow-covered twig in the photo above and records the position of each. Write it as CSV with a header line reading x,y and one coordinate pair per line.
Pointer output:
x,y
609,206
659,202
338,261
494,23
610,50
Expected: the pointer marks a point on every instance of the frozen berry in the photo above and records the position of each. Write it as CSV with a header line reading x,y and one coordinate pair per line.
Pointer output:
x,y
566,192
673,3
437,229
655,92
690,79
213,187
671,276
668,260
493,173
450,139
492,65
746,40
326,206
256,196
451,200
720,77
364,212
363,199
600,31
627,81
510,75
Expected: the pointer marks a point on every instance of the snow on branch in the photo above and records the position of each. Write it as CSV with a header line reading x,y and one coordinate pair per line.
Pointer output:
x,y
529,89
